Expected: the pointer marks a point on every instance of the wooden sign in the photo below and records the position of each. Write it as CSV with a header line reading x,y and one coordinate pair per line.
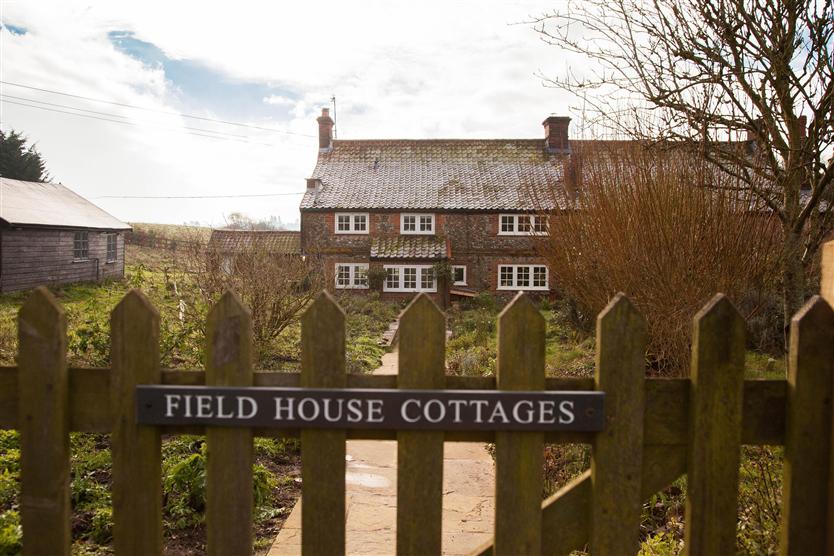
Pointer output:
x,y
370,408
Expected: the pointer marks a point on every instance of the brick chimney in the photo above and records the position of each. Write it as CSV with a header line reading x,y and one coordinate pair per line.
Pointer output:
x,y
556,137
325,130
803,126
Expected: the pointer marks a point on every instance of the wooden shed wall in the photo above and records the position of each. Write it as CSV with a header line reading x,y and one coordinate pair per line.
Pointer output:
x,y
32,257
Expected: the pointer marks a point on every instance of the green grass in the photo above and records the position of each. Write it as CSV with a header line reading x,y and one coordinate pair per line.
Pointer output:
x,y
182,339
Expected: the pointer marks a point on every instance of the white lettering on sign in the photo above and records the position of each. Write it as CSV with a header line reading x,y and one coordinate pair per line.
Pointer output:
x,y
384,409
566,416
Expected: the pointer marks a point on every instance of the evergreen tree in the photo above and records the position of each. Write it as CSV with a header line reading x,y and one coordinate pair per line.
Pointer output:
x,y
19,162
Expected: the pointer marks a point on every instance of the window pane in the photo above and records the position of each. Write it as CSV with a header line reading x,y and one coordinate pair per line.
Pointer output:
x,y
523,223
111,247
522,278
342,275
409,224
80,245
410,278
427,279
539,224
505,276
360,275
459,274
392,278
344,222
426,224
360,223
507,223
539,276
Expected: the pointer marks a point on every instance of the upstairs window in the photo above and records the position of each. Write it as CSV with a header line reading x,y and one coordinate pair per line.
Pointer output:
x,y
351,276
417,224
112,245
351,222
521,224
80,246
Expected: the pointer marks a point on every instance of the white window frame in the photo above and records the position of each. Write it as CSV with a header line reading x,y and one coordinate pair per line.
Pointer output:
x,y
418,224
352,276
352,216
531,273
458,282
517,220
401,278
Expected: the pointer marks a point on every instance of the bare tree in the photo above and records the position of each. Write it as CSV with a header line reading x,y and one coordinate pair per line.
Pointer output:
x,y
748,81
276,287
638,225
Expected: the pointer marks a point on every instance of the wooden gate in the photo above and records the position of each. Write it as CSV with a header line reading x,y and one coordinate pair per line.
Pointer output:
x,y
656,430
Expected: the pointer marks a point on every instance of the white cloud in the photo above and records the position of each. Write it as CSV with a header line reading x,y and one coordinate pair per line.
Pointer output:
x,y
398,69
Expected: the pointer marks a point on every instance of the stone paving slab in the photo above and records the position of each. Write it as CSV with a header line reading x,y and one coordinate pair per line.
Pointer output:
x,y
371,497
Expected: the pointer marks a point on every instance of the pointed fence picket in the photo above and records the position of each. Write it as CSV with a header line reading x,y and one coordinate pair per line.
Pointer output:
x,y
655,431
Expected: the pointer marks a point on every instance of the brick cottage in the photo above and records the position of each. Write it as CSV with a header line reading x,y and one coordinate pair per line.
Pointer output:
x,y
455,216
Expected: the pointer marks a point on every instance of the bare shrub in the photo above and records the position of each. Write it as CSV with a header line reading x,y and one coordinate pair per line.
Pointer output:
x,y
276,287
665,228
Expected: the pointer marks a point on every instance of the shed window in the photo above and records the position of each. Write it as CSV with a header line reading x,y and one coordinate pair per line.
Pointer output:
x,y
80,246
404,278
459,275
112,245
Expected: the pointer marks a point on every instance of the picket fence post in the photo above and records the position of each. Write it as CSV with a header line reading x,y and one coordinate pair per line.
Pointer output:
x,y
230,450
806,515
44,426
617,451
519,456
715,411
323,451
420,453
136,449
827,293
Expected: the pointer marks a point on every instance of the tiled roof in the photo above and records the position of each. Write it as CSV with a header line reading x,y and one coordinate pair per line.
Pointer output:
x,y
404,247
272,241
454,174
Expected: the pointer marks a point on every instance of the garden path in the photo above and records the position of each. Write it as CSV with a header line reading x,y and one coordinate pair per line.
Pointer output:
x,y
371,496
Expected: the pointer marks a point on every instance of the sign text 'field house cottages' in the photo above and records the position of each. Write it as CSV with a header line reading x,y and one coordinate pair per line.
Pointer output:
x,y
402,215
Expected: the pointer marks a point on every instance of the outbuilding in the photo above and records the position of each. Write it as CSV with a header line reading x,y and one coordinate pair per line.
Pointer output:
x,y
50,235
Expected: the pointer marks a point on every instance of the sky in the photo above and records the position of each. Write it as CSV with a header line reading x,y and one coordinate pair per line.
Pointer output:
x,y
170,72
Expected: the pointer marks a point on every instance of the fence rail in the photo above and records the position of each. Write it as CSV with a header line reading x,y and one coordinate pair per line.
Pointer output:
x,y
656,430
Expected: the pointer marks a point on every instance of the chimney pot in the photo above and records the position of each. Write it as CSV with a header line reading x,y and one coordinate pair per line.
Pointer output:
x,y
803,126
556,136
325,130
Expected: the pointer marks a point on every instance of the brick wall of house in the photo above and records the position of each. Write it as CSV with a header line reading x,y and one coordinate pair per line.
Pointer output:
x,y
474,238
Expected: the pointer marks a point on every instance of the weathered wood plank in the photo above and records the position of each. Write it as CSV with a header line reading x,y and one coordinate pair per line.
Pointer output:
x,y
566,523
323,451
44,426
805,513
667,405
137,468
420,453
229,494
519,456
617,451
717,376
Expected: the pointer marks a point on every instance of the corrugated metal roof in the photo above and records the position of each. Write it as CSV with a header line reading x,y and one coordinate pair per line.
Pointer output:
x,y
404,247
447,174
26,203
280,242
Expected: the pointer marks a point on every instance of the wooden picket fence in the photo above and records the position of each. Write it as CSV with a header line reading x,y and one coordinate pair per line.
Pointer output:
x,y
656,430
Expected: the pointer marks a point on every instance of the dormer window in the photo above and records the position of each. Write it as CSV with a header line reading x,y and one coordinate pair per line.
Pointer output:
x,y
521,224
417,224
351,222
